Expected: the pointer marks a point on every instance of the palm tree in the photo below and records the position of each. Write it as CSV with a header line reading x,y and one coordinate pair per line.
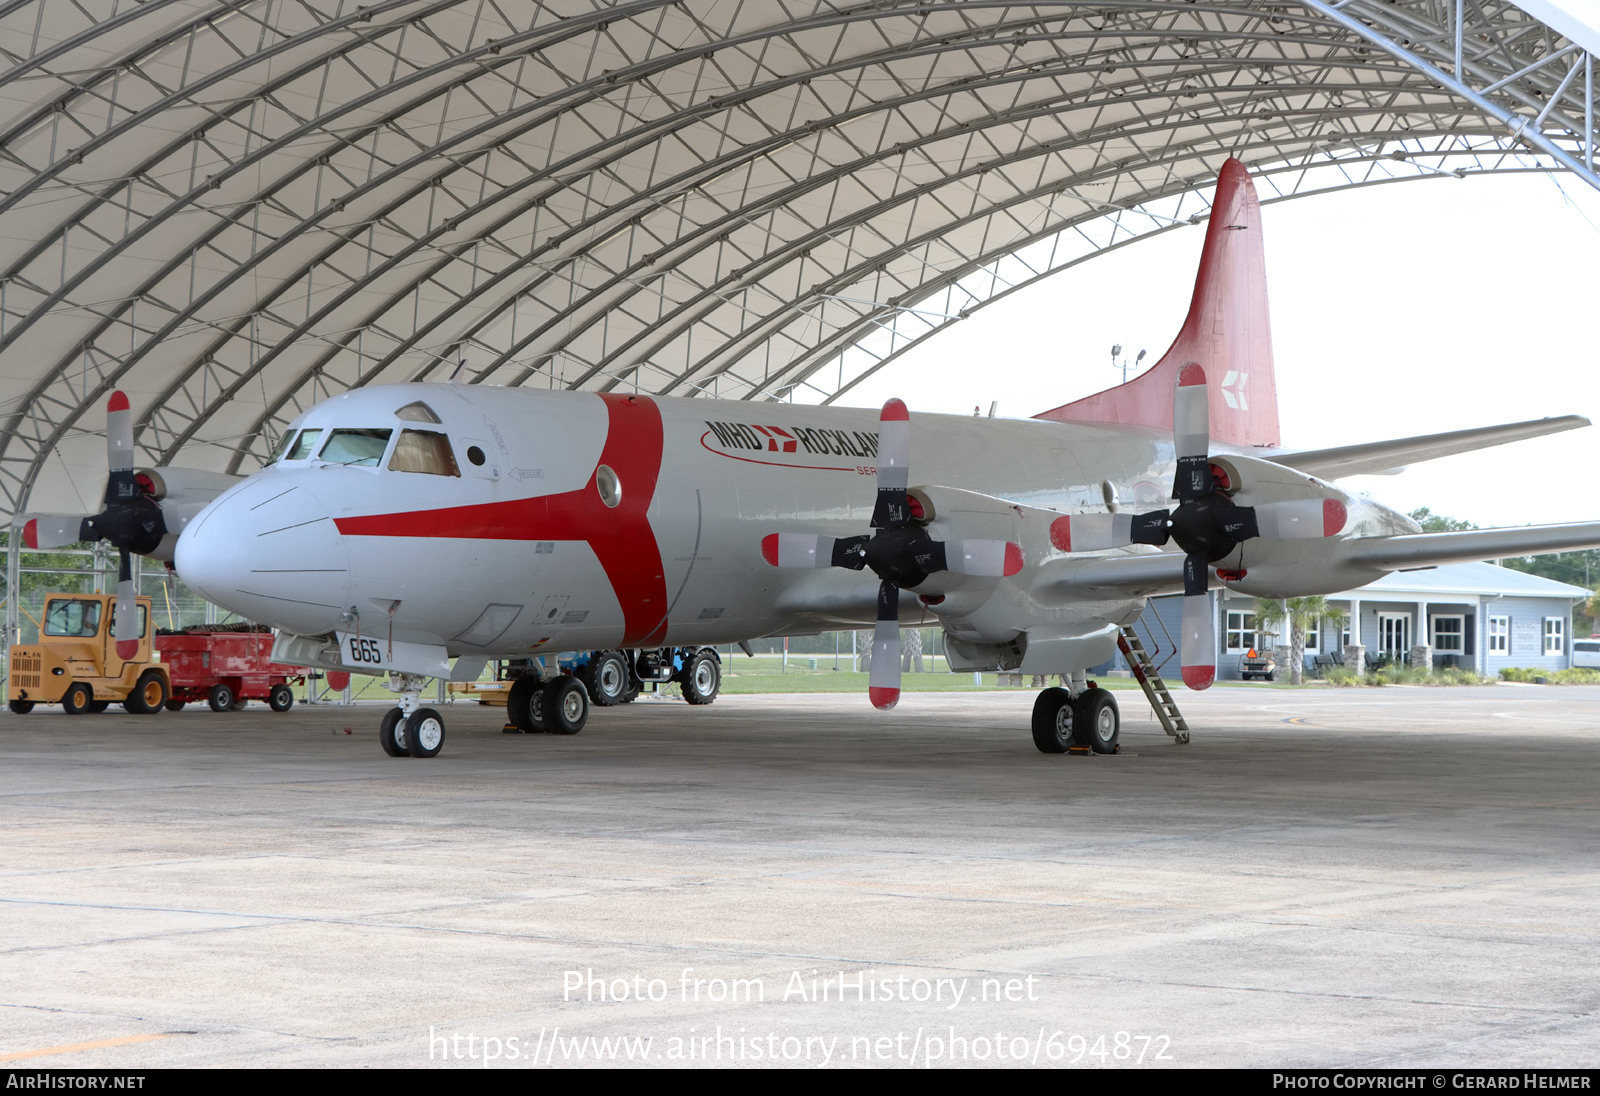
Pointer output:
x,y
1303,613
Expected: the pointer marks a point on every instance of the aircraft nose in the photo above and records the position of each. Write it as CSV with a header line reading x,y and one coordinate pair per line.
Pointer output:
x,y
268,550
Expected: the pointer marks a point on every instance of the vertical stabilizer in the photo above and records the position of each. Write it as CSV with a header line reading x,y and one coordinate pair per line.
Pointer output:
x,y
1227,333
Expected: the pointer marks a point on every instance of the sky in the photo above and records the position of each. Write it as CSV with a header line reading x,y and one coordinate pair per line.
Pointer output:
x,y
1397,310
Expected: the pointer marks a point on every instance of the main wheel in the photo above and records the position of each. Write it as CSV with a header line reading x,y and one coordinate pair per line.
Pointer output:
x,y
77,698
524,707
389,733
281,699
607,678
566,706
21,707
1053,717
220,697
149,696
1099,723
702,679
424,733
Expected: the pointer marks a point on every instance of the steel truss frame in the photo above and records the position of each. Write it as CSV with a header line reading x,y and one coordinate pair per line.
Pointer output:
x,y
235,208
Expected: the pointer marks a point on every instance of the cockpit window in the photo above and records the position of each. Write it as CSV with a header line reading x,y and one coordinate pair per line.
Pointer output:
x,y
423,451
417,412
359,448
304,445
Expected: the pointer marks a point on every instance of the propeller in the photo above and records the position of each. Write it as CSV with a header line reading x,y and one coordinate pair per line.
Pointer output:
x,y
131,521
1206,524
900,553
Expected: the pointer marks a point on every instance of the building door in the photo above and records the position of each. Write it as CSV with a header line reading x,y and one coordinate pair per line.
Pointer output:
x,y
1394,636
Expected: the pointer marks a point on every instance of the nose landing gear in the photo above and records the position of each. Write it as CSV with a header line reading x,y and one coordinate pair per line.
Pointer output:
x,y
410,730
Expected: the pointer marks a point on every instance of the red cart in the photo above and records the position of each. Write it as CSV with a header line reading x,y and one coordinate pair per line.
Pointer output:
x,y
227,666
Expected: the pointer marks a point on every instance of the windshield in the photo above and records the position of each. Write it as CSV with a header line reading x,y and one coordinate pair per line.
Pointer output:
x,y
362,448
72,618
304,445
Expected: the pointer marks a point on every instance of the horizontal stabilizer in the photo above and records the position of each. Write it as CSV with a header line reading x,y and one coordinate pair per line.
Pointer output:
x,y
1380,457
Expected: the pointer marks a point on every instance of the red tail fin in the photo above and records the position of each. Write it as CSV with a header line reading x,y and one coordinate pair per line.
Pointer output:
x,y
1227,333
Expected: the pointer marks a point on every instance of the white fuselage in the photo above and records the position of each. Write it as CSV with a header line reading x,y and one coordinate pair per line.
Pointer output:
x,y
555,520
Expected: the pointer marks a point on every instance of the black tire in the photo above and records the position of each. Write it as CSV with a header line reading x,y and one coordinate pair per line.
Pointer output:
x,y
1099,722
1054,717
389,734
149,694
239,703
524,707
566,705
220,697
77,698
702,678
176,705
423,733
98,706
281,699
607,678
21,707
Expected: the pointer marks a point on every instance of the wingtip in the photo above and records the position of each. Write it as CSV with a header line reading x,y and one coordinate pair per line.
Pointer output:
x,y
883,698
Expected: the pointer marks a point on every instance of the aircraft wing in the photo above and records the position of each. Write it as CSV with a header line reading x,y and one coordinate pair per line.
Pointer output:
x,y
1110,576
1416,550
1388,457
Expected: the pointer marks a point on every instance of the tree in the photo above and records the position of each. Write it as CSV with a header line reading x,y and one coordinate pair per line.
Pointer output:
x,y
1438,523
1304,613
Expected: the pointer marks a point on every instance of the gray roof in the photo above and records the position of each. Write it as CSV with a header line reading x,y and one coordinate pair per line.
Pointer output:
x,y
1473,579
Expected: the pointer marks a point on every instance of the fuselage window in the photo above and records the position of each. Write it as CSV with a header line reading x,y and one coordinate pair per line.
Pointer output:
x,y
423,451
304,445
358,448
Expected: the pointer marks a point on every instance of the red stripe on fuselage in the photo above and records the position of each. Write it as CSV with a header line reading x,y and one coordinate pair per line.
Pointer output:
x,y
620,536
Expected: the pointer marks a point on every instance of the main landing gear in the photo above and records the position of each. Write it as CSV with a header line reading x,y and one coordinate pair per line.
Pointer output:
x,y
556,705
1087,722
410,730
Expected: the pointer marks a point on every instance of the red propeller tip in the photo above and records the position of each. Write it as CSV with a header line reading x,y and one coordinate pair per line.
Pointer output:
x,y
1199,677
1061,533
1191,374
883,699
127,648
1334,516
30,535
769,548
1013,558
895,411
117,402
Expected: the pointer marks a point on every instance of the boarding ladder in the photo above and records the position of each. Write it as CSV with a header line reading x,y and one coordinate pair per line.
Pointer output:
x,y
1146,673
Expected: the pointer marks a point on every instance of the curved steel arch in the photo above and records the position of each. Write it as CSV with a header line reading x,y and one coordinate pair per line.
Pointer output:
x,y
673,195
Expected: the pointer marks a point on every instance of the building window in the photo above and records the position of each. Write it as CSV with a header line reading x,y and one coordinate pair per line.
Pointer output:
x,y
1555,636
1314,637
1450,635
1499,635
1241,630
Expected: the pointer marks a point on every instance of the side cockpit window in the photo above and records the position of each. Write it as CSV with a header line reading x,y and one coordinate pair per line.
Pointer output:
x,y
303,445
424,451
356,448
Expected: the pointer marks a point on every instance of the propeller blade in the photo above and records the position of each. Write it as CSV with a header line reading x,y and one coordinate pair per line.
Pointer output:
x,y
883,677
984,558
893,508
803,550
55,531
1096,532
126,625
1301,519
121,485
1198,638
1191,433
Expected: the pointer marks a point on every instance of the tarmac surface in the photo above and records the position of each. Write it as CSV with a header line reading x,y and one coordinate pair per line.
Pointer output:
x,y
1397,877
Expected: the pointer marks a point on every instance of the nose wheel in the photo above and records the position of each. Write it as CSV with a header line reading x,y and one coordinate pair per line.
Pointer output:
x,y
408,730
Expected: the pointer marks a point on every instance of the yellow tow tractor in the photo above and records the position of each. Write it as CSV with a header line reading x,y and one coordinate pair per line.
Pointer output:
x,y
75,662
